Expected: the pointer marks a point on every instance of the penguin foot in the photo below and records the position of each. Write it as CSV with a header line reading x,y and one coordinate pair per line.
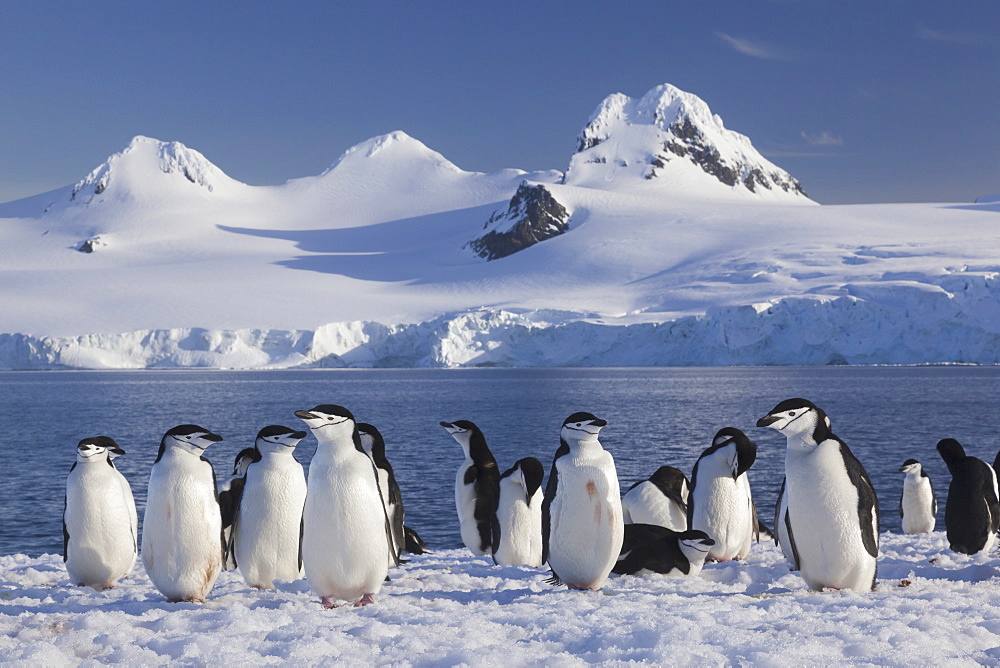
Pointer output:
x,y
328,602
367,599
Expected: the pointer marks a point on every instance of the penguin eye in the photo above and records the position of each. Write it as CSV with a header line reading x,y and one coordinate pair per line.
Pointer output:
x,y
579,424
791,413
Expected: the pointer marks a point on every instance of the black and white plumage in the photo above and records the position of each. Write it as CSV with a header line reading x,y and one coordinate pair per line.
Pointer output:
x,y
517,530
100,526
475,486
720,503
650,547
917,503
662,499
347,538
782,530
832,507
230,492
971,512
374,444
582,526
266,537
182,544
412,542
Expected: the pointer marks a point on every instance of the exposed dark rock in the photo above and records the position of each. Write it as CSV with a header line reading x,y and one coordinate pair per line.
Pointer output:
x,y
533,215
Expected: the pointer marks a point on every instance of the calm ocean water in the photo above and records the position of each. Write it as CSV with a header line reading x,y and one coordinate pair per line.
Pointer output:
x,y
656,417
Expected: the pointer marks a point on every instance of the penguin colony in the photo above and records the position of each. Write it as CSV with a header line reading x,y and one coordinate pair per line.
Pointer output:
x,y
343,528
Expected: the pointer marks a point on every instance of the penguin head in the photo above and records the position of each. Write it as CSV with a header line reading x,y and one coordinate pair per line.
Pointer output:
x,y
739,450
277,439
244,459
462,431
581,427
951,451
190,438
910,466
327,420
671,480
527,473
372,441
97,448
800,420
695,545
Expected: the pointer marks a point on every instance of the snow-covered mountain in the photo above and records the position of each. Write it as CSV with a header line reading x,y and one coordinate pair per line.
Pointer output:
x,y
394,256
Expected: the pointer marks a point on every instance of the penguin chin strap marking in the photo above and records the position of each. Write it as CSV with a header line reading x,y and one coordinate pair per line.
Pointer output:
x,y
327,424
591,433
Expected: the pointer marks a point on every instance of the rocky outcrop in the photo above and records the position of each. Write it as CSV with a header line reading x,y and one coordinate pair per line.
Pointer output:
x,y
533,215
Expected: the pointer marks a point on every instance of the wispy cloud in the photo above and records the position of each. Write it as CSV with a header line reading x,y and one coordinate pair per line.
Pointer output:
x,y
752,48
953,37
822,139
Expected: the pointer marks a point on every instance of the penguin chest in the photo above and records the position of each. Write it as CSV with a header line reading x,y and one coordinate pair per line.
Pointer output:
x,y
520,527
182,528
586,527
100,520
646,504
344,544
917,505
723,509
269,520
823,513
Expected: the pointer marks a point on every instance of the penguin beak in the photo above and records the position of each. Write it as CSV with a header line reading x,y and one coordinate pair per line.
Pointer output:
x,y
305,415
599,423
118,450
767,420
297,435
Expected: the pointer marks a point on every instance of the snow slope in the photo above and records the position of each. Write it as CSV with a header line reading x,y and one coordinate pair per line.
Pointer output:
x,y
369,263
931,607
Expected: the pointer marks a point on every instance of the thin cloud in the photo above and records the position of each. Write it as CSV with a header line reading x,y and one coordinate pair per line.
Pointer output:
x,y
751,48
822,139
952,37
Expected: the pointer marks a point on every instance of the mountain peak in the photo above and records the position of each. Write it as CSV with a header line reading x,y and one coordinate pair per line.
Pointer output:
x,y
393,146
672,138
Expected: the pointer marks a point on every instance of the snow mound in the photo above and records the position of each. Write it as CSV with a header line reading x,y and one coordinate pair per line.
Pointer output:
x,y
671,138
931,607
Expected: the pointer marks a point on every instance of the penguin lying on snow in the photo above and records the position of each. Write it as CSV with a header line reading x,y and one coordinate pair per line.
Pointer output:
x,y
475,486
182,545
582,525
832,512
720,503
100,526
517,530
662,500
658,549
917,505
972,512
412,542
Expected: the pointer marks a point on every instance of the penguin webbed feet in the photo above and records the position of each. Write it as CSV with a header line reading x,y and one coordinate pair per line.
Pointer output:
x,y
328,602
367,599
554,580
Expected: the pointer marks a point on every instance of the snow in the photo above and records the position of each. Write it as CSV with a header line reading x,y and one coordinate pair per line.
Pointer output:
x,y
366,265
931,606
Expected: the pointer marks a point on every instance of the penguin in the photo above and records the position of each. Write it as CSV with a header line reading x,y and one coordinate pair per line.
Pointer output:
x,y
582,526
720,503
346,536
781,535
661,500
651,547
100,525
917,504
517,536
267,529
971,512
374,445
182,546
412,542
229,493
832,517
475,487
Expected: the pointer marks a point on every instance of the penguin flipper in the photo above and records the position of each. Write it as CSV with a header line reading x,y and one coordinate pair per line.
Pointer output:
x,y
756,522
302,530
992,503
65,531
485,484
551,487
791,540
867,500
223,544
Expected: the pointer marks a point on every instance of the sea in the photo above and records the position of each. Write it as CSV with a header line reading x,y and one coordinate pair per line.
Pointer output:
x,y
656,417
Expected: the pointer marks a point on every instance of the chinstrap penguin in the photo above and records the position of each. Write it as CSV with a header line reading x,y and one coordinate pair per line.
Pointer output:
x,y
917,504
100,526
412,542
833,518
971,511
182,546
720,502
229,493
517,535
374,445
475,486
650,547
661,500
582,527
346,539
267,529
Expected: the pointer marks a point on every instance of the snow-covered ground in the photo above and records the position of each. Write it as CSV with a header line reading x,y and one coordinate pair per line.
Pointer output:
x,y
931,607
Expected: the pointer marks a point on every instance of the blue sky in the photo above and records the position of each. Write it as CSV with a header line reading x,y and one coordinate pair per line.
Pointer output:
x,y
862,101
